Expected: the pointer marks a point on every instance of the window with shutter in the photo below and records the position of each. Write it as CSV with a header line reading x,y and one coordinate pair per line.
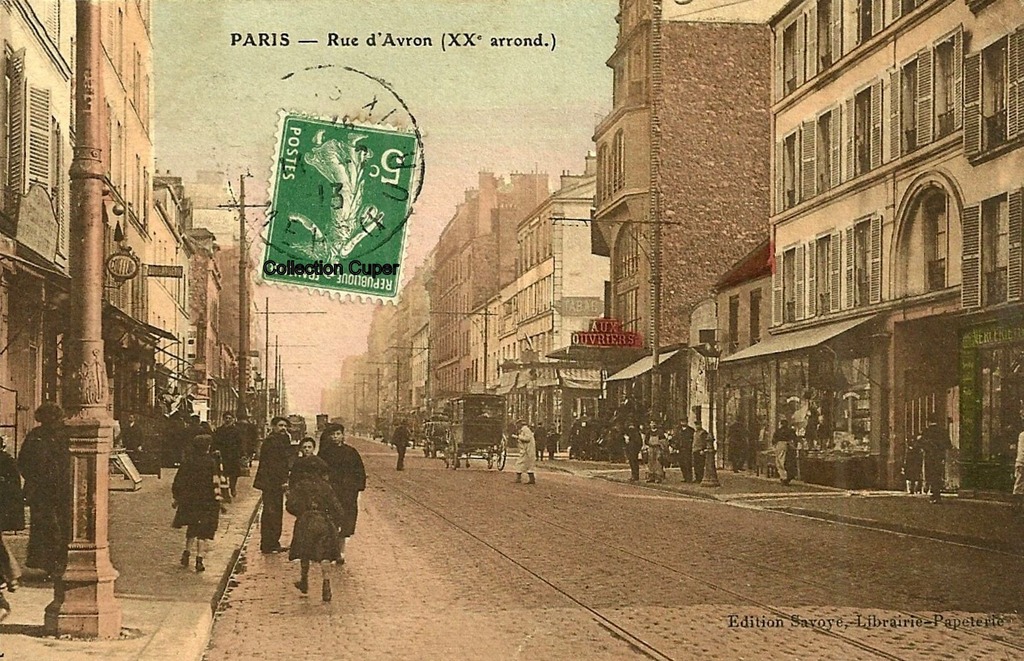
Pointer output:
x,y
790,170
849,121
807,166
908,107
958,77
896,9
4,84
972,104
777,291
789,284
812,284
790,59
825,24
944,93
1016,227
1015,82
995,244
970,290
836,143
848,248
876,16
780,204
811,30
865,19
895,129
39,136
825,159
837,29
924,97
800,282
876,259
835,271
16,129
993,95
780,58
876,125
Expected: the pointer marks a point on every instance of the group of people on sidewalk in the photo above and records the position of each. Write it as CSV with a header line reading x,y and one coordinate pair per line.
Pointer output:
x,y
926,457
322,486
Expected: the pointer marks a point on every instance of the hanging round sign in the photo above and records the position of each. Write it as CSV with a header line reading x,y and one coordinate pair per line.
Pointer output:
x,y
123,266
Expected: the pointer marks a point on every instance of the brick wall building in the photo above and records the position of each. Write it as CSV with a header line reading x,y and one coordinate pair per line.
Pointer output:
x,y
687,143
482,231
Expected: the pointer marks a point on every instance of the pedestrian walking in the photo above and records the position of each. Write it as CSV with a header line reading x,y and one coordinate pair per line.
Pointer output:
x,y
318,517
227,440
347,477
736,434
527,452
271,479
45,464
784,442
197,499
701,444
656,447
1018,475
400,439
682,439
540,436
12,519
551,443
912,463
934,442
634,445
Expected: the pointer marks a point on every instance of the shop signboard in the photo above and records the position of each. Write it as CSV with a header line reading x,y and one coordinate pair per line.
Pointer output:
x,y
37,226
607,332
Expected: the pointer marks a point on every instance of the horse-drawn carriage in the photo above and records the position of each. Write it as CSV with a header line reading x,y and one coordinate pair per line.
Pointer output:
x,y
477,431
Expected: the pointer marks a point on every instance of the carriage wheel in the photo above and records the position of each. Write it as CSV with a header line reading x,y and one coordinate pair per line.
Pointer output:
x,y
490,459
502,456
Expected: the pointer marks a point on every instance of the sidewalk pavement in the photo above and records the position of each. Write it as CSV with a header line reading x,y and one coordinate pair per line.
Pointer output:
x,y
981,523
167,610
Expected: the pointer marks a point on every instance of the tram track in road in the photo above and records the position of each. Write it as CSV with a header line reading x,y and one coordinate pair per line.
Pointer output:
x,y
529,516
632,638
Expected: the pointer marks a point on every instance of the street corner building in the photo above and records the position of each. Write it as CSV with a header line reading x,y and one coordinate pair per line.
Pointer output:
x,y
896,235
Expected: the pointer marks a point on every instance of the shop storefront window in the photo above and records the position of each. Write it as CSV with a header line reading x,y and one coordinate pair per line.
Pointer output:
x,y
793,393
1001,372
851,406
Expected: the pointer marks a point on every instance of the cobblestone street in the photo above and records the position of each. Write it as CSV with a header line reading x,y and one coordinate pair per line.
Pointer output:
x,y
468,565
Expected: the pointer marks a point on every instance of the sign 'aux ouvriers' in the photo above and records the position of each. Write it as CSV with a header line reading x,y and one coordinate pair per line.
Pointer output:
x,y
606,332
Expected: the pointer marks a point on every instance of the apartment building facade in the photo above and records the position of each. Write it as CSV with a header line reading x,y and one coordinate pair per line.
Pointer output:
x,y
897,228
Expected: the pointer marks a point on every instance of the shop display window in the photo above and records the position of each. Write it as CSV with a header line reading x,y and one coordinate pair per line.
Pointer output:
x,y
1001,372
851,406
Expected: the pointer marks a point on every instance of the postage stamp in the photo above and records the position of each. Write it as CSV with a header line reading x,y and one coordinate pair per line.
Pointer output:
x,y
340,202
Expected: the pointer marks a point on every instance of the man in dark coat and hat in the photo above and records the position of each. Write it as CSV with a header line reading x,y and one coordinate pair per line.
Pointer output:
x,y
227,440
45,463
272,478
400,439
347,476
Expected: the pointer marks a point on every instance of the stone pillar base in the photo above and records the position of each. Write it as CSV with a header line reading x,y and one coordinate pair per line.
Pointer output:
x,y
88,610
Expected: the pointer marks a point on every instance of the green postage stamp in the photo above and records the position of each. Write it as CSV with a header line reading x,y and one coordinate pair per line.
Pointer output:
x,y
341,197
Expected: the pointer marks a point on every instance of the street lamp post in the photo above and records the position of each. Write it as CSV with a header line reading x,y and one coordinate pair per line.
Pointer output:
x,y
712,356
83,596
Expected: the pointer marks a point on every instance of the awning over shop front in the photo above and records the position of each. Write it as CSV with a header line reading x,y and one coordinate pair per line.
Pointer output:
x,y
580,378
132,323
506,383
796,340
642,366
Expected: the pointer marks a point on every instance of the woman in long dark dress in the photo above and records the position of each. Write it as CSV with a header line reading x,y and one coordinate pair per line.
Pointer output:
x,y
346,474
45,464
197,499
318,514
12,518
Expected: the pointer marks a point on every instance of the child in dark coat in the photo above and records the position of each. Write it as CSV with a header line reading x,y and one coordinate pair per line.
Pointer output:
x,y
319,516
197,498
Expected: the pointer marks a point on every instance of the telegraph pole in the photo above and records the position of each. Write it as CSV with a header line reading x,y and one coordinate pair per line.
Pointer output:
x,y
266,362
83,595
243,301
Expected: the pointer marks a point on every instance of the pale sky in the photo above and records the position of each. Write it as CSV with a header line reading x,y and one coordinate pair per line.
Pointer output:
x,y
479,109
